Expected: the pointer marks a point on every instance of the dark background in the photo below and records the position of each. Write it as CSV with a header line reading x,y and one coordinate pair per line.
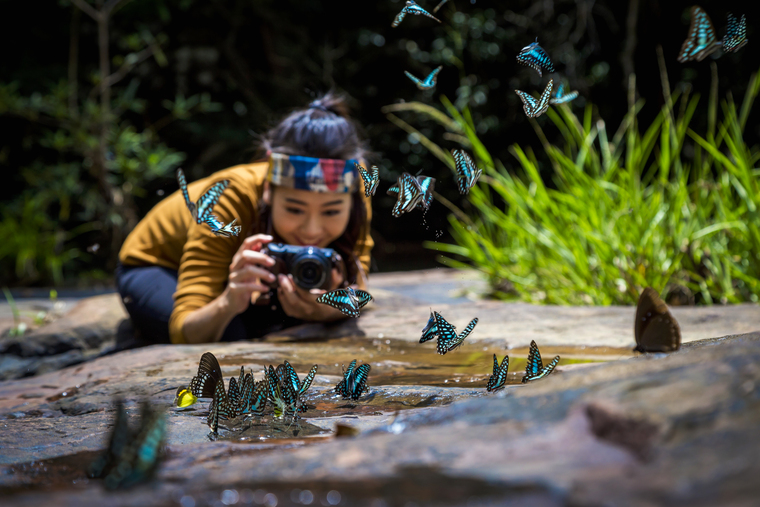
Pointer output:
x,y
261,59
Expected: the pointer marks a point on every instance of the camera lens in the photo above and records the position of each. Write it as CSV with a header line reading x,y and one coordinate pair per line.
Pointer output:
x,y
310,269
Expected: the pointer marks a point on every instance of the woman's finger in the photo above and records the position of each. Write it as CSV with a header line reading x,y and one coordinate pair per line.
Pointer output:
x,y
251,257
247,273
248,287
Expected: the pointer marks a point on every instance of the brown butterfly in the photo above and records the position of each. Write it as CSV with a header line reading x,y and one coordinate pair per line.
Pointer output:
x,y
655,328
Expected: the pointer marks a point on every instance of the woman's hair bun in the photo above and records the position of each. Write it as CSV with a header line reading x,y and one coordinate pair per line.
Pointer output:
x,y
331,103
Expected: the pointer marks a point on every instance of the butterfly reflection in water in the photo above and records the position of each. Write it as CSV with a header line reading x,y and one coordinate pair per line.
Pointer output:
x,y
348,300
536,58
411,7
499,377
428,83
201,210
371,178
701,41
411,192
354,381
133,454
535,368
536,107
656,330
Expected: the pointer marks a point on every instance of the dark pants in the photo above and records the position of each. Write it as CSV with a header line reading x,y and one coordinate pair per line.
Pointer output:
x,y
147,293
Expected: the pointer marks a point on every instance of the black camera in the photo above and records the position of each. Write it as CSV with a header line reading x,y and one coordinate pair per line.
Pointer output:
x,y
310,266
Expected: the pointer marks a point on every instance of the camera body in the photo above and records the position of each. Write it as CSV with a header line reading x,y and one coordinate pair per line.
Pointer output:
x,y
310,266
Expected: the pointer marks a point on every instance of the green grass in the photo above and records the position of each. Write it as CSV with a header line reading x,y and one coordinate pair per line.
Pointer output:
x,y
618,212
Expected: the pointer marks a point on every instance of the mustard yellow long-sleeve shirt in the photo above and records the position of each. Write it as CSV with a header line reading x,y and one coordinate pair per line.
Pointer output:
x,y
169,237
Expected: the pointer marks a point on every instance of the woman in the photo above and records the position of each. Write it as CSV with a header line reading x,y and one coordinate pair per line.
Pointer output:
x,y
182,284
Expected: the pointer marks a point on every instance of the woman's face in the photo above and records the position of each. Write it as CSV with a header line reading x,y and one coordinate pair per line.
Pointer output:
x,y
303,218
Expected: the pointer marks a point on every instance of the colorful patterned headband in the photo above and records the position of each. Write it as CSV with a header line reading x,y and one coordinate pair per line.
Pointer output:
x,y
312,174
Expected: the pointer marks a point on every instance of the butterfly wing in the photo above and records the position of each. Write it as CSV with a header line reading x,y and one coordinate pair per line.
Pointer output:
x,y
308,379
534,56
413,8
560,97
341,300
219,228
432,79
655,329
357,383
362,297
447,334
183,186
437,7
546,370
393,190
415,80
529,103
736,34
254,399
342,386
409,195
209,199
399,18
701,41
292,377
209,373
534,364
427,184
430,330
233,393
371,179
499,377
460,339
467,172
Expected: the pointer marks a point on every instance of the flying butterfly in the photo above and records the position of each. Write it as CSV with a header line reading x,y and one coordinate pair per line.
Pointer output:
x,y
132,456
201,210
348,300
209,373
701,42
448,339
536,107
560,97
736,34
354,381
535,368
535,57
428,83
411,7
499,377
430,330
418,193
467,172
219,228
656,330
371,179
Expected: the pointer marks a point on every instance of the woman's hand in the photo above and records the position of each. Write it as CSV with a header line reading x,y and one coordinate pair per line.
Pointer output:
x,y
302,304
248,270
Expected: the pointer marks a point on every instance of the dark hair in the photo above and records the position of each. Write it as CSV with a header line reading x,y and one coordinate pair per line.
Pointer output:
x,y
323,130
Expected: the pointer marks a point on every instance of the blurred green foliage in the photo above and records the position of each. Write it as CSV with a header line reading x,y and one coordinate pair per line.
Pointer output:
x,y
617,213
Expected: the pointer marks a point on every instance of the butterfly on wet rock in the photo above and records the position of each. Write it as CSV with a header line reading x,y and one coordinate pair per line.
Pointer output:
x,y
736,34
499,377
133,455
411,7
428,83
253,397
203,384
534,56
281,393
292,376
535,369
371,178
354,381
221,408
536,107
412,192
467,172
201,210
183,398
655,329
349,301
701,41
448,339
560,97
430,330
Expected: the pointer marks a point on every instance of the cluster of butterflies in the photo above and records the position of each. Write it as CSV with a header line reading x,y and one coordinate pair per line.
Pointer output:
x,y
534,369
414,192
535,57
448,338
701,41
281,388
201,210
133,454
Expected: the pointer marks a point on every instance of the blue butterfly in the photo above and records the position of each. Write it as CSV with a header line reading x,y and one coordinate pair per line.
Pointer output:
x,y
535,57
201,211
411,7
429,81
354,381
701,41
736,34
253,396
418,193
430,330
534,108
371,178
292,376
560,97
221,408
535,368
448,339
348,300
467,172
499,377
